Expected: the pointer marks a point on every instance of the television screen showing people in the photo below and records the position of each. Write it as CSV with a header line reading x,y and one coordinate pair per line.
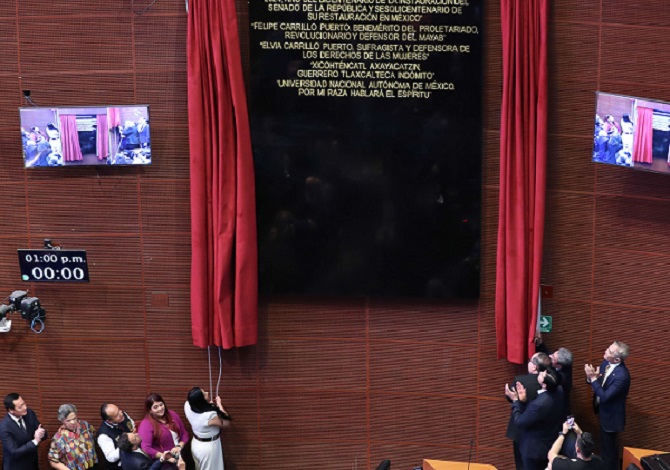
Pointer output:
x,y
103,135
632,132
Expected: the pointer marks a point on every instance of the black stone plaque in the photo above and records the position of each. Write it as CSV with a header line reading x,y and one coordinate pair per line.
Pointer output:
x,y
366,129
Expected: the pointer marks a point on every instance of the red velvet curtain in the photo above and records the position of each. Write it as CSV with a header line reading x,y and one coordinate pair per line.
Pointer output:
x,y
523,155
114,120
102,136
69,138
113,117
643,135
224,270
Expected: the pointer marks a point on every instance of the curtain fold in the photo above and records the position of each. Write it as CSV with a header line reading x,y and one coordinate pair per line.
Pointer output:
x,y
643,135
523,155
69,138
102,136
224,271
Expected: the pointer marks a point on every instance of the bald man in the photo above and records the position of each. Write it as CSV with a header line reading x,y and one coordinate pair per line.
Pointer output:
x,y
114,423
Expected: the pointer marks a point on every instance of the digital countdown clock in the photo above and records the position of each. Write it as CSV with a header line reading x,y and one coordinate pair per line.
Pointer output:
x,y
53,265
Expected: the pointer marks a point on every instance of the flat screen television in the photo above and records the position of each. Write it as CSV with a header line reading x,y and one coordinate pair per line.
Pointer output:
x,y
632,132
80,136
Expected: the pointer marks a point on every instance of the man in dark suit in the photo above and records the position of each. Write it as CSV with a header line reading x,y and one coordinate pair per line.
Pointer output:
x,y
561,361
132,457
20,433
538,421
526,383
610,384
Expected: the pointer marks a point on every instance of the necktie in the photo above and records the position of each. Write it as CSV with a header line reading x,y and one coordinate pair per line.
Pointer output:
x,y
22,425
607,369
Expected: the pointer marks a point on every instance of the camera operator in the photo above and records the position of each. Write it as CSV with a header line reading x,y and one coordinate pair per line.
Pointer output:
x,y
584,446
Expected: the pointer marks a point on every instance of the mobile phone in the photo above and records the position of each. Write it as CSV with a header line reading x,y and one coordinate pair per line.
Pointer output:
x,y
571,421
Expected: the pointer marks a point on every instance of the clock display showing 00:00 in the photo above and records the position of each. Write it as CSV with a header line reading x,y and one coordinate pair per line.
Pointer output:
x,y
51,274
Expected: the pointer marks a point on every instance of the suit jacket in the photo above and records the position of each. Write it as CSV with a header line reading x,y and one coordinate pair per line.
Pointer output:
x,y
613,394
532,386
18,450
539,423
565,377
138,461
153,444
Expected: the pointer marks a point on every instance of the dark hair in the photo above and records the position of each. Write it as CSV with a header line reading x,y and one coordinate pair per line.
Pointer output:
x,y
169,422
103,411
586,444
124,443
10,399
626,118
550,380
196,399
541,360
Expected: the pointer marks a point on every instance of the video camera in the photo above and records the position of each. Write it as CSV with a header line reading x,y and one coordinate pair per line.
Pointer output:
x,y
30,309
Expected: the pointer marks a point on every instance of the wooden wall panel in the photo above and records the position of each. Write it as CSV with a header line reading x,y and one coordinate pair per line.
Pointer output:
x,y
288,455
74,314
568,268
92,45
315,365
492,424
426,419
160,43
641,66
572,106
171,143
571,220
574,11
168,102
487,326
321,318
430,322
332,383
569,67
401,367
8,38
567,169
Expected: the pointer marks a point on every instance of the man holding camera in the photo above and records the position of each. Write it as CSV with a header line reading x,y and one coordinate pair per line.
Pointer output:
x,y
584,446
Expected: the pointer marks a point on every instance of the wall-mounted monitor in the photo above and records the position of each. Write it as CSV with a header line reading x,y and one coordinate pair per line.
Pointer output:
x,y
632,132
80,136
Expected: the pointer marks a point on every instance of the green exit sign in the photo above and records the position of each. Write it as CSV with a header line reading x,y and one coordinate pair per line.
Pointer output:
x,y
545,324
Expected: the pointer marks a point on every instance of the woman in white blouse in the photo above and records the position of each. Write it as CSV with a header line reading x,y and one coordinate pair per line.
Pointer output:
x,y
207,419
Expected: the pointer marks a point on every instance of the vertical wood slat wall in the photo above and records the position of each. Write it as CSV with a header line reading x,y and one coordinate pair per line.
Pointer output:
x,y
333,383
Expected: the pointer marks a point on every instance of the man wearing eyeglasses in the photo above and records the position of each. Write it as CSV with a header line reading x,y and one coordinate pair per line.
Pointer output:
x,y
610,384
